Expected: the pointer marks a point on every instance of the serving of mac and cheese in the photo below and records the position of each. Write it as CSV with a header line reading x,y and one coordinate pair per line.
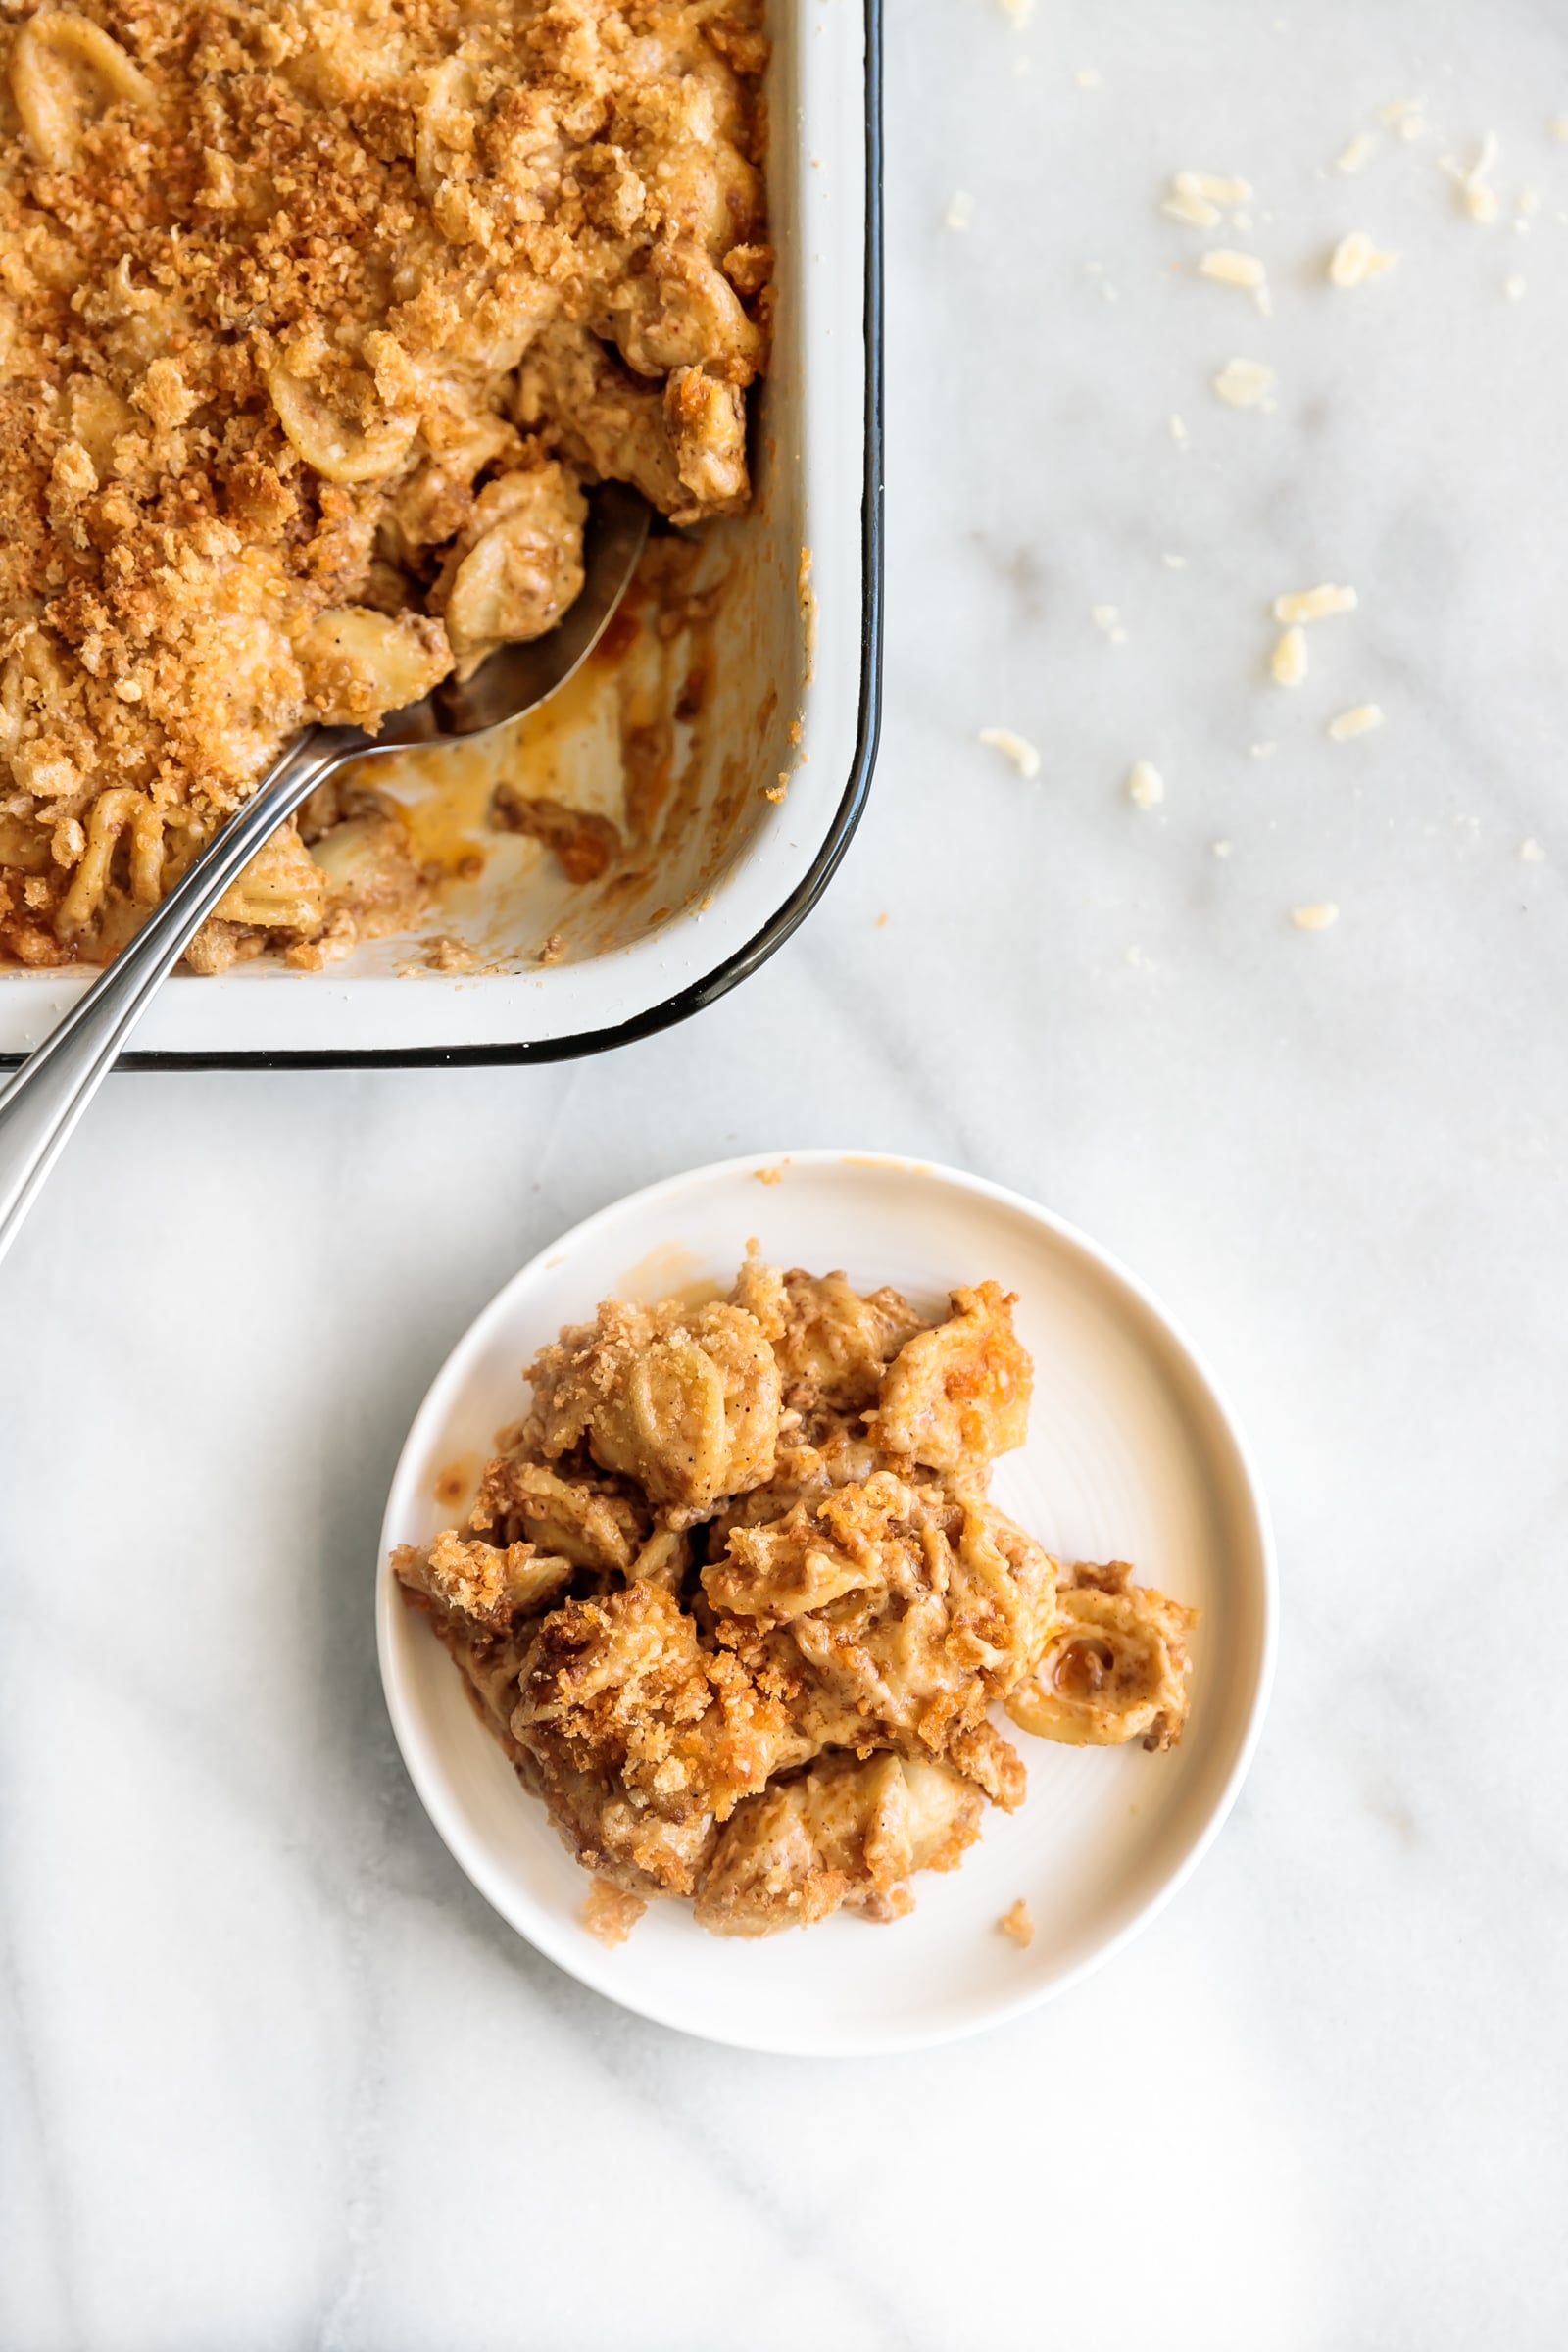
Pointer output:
x,y
314,323
735,1601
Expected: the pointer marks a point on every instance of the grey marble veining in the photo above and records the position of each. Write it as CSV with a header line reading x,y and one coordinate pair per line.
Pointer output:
x,y
270,2073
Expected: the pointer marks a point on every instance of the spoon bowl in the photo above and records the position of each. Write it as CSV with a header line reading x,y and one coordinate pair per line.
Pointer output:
x,y
516,678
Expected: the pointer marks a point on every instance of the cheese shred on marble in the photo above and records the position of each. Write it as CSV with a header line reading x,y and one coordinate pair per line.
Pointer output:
x,y
1288,666
1314,603
1481,200
1228,268
1245,384
1195,197
1356,259
1194,212
1016,748
1360,721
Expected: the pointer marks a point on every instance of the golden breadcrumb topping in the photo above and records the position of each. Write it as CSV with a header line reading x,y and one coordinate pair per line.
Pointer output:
x,y
1018,1923
314,321
734,1602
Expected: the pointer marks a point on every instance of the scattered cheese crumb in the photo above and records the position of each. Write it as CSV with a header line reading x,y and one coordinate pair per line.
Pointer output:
x,y
1016,748
1222,848
1020,11
1558,126
1404,117
1315,919
1531,852
1179,435
1314,603
1196,196
1196,210
1357,155
1193,212
960,212
1218,190
1247,384
1529,203
1145,786
1360,721
1288,667
1017,1924
1514,288
1108,619
1231,269
1264,751
1087,78
1356,259
1174,563
1481,200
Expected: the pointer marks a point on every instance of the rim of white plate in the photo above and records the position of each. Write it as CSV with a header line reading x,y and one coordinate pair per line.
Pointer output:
x,y
561,1938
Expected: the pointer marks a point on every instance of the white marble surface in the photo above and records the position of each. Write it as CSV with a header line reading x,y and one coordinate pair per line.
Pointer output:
x,y
270,2074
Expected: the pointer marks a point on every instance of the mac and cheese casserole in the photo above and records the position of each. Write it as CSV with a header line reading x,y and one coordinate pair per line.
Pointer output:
x,y
735,1600
314,322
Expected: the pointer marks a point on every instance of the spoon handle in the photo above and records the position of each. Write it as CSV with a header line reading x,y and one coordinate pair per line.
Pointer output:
x,y
48,1095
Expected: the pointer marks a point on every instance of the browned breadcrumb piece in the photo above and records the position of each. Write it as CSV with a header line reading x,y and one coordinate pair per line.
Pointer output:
x,y
446,955
1018,1923
315,321
734,1600
585,844
768,1175
610,1913
553,949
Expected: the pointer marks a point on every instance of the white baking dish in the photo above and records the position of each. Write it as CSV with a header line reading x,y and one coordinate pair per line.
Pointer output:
x,y
796,646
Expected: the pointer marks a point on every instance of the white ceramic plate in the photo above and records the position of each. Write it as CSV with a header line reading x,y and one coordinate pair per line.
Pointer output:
x,y
1131,1454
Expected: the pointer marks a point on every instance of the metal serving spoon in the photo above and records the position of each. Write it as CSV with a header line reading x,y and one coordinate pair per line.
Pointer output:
x,y
54,1085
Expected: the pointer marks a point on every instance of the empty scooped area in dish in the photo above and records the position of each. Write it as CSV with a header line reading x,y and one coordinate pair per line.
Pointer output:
x,y
673,742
